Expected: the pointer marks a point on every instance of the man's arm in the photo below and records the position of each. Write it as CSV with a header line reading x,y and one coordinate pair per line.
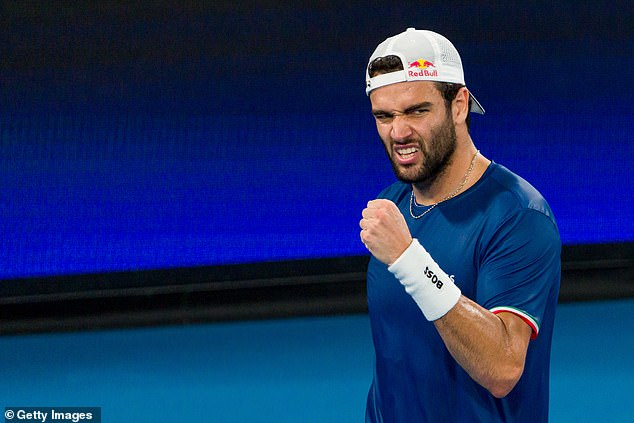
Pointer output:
x,y
491,348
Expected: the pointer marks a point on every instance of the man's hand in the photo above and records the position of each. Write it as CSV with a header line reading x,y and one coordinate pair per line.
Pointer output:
x,y
384,231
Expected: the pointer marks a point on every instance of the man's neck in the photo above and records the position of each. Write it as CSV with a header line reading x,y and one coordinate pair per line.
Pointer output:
x,y
464,170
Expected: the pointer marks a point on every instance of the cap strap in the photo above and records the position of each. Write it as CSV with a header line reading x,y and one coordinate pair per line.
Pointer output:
x,y
386,79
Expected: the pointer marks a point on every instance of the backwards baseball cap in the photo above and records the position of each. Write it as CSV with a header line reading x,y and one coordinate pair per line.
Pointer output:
x,y
425,55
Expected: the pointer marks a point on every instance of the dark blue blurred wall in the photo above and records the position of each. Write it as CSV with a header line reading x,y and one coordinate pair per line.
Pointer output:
x,y
158,134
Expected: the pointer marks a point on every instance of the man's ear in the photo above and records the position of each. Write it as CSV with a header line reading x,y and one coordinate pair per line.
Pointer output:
x,y
460,106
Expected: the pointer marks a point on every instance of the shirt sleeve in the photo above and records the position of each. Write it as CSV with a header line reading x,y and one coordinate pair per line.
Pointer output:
x,y
521,268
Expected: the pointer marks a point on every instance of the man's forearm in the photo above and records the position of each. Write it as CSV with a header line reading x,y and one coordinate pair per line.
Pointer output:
x,y
491,348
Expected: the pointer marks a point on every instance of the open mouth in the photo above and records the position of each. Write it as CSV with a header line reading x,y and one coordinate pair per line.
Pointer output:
x,y
406,154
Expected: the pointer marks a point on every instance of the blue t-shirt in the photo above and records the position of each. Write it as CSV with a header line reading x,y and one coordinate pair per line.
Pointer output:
x,y
500,244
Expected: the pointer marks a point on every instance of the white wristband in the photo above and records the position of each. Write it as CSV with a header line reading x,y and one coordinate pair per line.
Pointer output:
x,y
430,287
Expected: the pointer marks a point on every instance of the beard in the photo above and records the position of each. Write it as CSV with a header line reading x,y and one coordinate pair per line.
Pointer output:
x,y
437,155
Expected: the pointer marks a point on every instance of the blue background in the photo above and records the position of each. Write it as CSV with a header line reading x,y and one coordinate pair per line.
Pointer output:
x,y
159,135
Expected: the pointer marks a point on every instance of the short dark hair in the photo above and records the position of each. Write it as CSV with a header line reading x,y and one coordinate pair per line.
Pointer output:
x,y
391,63
386,64
449,92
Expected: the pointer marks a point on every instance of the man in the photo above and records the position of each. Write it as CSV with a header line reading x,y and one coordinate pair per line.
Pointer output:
x,y
465,269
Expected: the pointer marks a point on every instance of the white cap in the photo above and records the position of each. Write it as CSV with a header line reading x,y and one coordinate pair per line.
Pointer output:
x,y
426,56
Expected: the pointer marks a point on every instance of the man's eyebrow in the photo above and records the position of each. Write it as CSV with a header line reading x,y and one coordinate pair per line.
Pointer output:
x,y
422,105
378,112
410,109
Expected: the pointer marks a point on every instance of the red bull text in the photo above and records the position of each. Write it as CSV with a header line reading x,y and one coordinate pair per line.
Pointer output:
x,y
421,67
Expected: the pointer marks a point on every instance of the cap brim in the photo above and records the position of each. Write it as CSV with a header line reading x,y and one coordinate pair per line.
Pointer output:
x,y
476,107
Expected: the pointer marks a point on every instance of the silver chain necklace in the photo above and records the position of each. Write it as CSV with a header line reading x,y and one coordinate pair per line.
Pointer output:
x,y
452,195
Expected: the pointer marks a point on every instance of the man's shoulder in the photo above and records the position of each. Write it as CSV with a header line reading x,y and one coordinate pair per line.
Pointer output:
x,y
517,191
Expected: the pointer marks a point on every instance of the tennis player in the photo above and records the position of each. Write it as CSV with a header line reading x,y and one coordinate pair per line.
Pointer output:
x,y
465,269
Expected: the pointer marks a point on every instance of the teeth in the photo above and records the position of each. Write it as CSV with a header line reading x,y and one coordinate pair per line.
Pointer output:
x,y
407,151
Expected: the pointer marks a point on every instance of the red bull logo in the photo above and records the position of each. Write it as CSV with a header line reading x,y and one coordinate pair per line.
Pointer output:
x,y
422,64
421,67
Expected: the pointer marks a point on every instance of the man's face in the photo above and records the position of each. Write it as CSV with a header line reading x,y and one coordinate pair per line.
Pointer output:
x,y
417,131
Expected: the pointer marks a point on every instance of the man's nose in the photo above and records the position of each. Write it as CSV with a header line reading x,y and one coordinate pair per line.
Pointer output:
x,y
401,129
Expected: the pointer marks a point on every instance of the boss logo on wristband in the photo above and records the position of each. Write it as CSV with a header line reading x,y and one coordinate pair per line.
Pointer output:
x,y
433,278
415,269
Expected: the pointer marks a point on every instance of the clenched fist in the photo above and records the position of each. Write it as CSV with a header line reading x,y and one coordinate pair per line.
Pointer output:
x,y
384,231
